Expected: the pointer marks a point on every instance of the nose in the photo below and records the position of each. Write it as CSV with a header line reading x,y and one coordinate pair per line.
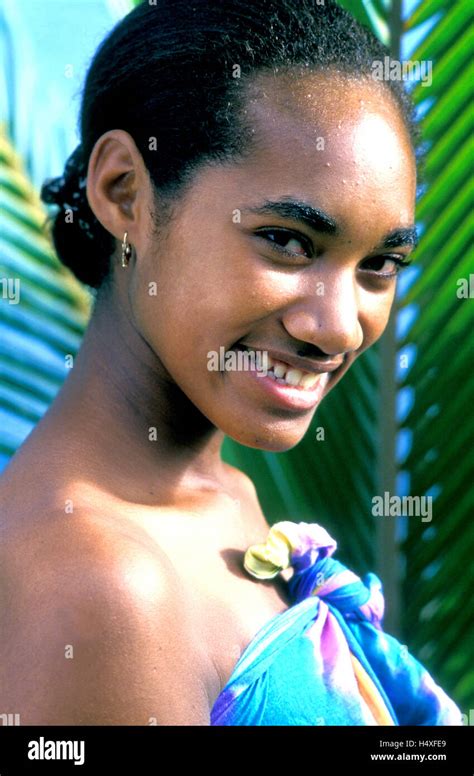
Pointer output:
x,y
328,317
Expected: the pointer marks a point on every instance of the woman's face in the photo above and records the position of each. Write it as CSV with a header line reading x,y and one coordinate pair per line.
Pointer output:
x,y
336,150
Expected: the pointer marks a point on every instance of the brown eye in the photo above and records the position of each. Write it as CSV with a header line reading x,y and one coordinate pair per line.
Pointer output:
x,y
286,241
385,266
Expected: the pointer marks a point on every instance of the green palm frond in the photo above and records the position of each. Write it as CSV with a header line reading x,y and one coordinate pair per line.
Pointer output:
x,y
371,13
438,556
45,322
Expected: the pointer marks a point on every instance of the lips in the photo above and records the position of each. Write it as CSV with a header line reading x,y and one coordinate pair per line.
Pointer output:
x,y
293,397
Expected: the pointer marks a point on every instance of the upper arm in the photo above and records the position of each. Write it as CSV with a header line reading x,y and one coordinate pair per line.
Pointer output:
x,y
102,638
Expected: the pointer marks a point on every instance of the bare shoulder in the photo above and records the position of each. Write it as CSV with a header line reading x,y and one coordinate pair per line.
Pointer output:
x,y
95,628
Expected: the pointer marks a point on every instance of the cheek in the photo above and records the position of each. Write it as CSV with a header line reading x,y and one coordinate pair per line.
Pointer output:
x,y
184,306
172,318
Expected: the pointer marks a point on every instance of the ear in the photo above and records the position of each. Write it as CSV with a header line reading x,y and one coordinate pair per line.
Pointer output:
x,y
118,185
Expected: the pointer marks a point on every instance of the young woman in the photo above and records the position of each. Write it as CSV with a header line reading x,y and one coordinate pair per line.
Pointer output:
x,y
242,183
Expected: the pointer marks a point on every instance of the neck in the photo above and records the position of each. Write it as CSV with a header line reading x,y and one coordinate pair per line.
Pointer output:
x,y
125,424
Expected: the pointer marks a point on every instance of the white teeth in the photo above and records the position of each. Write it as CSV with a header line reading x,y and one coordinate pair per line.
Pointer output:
x,y
293,376
269,360
309,380
280,370
283,373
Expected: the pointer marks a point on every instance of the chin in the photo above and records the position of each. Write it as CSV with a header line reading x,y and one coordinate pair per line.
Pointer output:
x,y
276,437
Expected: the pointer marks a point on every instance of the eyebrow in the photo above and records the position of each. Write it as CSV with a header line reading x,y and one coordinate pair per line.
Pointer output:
x,y
399,237
316,219
319,221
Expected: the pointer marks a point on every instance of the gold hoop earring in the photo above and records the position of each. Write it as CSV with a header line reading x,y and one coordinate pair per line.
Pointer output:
x,y
126,250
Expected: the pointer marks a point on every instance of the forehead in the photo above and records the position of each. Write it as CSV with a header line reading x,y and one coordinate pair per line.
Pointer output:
x,y
335,141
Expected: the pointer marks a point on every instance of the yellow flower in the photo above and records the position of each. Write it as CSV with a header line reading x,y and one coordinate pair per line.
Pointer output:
x,y
265,561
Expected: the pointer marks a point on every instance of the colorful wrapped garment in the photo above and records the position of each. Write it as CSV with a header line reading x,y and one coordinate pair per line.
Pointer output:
x,y
325,660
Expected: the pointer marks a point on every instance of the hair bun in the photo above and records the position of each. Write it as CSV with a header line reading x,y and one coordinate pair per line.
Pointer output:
x,y
68,191
56,190
81,242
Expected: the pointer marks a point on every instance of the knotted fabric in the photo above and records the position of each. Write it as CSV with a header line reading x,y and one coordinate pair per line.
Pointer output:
x,y
326,660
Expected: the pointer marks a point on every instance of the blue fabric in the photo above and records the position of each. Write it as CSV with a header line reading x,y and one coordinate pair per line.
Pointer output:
x,y
326,659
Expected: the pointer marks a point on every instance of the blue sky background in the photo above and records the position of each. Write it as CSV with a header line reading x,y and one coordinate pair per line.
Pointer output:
x,y
42,41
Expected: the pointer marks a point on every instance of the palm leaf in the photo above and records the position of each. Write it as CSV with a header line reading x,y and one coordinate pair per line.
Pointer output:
x,y
441,417
48,321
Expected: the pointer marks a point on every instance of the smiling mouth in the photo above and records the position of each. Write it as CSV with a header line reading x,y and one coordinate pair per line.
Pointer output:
x,y
286,386
287,375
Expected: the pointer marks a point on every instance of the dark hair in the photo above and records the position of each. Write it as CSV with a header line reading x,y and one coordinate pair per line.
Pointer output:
x,y
166,74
